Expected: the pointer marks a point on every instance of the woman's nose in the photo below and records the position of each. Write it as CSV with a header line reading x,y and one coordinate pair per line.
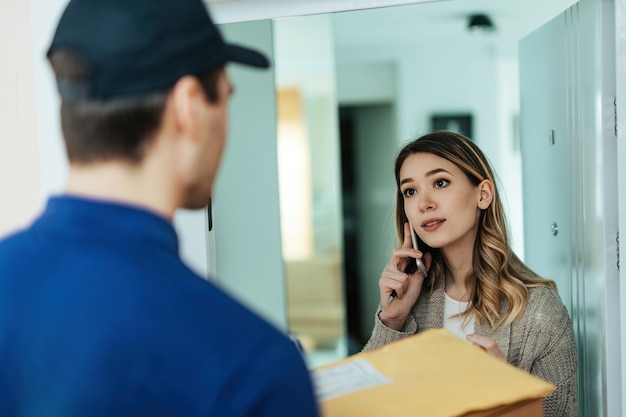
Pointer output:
x,y
425,202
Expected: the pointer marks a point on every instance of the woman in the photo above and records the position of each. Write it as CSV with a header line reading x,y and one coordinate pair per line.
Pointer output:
x,y
476,287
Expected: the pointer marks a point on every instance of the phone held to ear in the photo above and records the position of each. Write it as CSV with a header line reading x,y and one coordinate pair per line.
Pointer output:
x,y
418,262
420,265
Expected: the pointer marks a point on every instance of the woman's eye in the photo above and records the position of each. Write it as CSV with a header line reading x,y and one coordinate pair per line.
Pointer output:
x,y
440,183
408,192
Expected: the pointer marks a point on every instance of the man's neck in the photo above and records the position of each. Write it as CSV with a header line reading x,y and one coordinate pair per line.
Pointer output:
x,y
123,182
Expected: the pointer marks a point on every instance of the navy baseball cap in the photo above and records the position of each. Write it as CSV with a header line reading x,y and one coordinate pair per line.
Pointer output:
x,y
136,47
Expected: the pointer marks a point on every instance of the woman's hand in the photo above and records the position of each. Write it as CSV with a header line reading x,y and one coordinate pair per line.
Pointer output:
x,y
486,344
404,287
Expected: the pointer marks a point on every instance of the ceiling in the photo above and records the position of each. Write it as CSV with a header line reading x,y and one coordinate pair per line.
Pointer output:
x,y
446,20
401,20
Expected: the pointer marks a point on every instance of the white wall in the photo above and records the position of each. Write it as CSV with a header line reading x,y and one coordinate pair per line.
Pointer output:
x,y
20,184
52,160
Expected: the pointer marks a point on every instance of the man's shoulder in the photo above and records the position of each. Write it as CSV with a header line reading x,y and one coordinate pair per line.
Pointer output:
x,y
14,236
14,243
206,306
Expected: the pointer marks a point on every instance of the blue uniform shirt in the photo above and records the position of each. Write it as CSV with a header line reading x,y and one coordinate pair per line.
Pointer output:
x,y
100,317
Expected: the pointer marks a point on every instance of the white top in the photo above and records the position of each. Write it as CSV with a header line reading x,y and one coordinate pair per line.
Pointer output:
x,y
460,326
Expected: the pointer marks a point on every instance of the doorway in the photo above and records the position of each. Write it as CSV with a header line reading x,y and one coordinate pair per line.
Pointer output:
x,y
368,147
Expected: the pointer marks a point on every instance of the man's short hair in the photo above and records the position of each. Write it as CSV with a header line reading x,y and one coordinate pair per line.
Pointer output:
x,y
118,128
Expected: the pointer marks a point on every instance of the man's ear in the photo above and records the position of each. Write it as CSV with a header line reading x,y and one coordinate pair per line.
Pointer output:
x,y
185,106
485,194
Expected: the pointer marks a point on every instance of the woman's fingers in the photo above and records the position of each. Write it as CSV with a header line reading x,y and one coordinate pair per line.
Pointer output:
x,y
393,277
393,281
407,242
398,290
400,257
486,344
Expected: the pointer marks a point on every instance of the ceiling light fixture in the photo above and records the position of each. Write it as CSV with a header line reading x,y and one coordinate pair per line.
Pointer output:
x,y
480,23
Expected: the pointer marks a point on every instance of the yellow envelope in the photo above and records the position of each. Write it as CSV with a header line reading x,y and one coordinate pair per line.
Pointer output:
x,y
433,374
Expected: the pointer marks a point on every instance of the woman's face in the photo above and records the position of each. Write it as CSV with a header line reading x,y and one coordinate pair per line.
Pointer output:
x,y
440,202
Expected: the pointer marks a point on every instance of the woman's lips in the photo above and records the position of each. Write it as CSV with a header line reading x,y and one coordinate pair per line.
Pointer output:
x,y
432,224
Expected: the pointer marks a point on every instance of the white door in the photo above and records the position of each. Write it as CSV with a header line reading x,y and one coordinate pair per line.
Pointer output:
x,y
567,122
245,239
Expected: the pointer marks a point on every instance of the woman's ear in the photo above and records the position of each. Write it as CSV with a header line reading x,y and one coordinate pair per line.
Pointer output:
x,y
485,194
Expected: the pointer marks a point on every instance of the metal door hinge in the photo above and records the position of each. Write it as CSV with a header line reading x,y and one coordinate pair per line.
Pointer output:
x,y
617,240
615,114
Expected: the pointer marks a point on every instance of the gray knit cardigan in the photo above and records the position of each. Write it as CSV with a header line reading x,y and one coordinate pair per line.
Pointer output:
x,y
541,341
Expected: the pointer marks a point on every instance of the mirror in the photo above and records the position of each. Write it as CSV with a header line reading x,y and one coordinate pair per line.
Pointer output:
x,y
354,86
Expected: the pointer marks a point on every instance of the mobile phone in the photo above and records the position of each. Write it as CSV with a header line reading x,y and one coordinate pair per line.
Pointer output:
x,y
420,265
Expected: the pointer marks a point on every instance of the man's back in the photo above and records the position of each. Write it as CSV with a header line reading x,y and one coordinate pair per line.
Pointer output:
x,y
99,316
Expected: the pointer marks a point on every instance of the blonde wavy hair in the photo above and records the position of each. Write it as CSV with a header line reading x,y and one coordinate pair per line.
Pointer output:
x,y
497,274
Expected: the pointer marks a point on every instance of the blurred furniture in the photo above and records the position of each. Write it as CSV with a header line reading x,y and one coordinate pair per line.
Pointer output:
x,y
315,307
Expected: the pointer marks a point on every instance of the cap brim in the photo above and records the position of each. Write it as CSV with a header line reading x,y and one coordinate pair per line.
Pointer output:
x,y
246,56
